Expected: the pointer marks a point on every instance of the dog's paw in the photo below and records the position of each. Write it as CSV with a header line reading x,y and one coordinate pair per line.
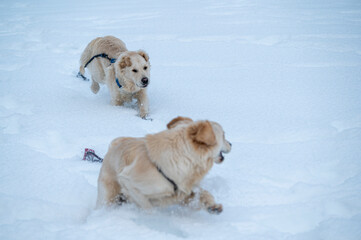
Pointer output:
x,y
79,75
121,199
147,118
215,209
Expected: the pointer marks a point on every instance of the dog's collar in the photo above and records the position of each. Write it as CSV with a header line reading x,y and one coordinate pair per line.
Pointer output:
x,y
117,81
175,187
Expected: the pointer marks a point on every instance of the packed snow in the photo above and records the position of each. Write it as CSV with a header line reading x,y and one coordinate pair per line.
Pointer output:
x,y
283,78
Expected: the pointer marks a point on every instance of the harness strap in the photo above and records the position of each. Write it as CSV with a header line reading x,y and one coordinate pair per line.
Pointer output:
x,y
175,187
103,55
117,81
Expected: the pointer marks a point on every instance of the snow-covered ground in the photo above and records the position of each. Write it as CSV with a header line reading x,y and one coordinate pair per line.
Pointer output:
x,y
282,77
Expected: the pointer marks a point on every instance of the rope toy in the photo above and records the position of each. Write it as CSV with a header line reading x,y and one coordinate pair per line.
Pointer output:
x,y
89,155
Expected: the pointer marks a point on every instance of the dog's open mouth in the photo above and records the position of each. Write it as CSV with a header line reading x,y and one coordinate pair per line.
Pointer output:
x,y
221,157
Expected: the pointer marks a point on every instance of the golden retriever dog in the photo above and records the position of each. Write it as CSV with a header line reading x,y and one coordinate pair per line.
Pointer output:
x,y
126,73
163,168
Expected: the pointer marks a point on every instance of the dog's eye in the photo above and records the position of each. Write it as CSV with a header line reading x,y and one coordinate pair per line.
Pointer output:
x,y
145,68
135,70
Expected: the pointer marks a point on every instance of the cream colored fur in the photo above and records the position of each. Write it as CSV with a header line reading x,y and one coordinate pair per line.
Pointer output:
x,y
185,153
102,72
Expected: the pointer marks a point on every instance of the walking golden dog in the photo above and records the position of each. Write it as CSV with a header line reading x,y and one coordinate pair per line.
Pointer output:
x,y
126,73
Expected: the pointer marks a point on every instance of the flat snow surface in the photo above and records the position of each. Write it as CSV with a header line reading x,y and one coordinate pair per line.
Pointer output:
x,y
282,77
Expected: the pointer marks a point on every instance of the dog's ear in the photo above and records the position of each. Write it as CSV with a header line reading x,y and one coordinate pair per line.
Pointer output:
x,y
144,55
125,62
178,120
202,133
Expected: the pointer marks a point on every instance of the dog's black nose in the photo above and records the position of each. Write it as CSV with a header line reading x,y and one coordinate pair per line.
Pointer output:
x,y
145,80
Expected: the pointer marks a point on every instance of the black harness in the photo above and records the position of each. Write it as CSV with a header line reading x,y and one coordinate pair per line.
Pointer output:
x,y
175,187
102,55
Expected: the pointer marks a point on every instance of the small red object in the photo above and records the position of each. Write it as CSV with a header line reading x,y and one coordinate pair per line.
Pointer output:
x,y
86,153
89,155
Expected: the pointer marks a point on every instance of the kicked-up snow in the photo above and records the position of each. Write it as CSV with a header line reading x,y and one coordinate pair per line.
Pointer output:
x,y
283,78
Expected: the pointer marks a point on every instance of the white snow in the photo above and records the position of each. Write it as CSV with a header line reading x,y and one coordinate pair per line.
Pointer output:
x,y
282,77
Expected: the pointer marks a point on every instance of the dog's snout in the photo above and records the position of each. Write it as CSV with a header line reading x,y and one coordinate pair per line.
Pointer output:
x,y
145,81
227,147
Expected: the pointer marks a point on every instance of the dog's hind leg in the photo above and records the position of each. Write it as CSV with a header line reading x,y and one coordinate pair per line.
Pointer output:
x,y
81,69
82,72
85,57
98,75
95,87
108,192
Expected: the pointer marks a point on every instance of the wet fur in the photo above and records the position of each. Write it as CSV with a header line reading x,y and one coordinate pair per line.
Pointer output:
x,y
102,72
185,152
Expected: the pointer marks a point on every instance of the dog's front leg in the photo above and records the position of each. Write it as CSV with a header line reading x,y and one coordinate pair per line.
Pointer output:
x,y
142,100
115,94
203,200
117,99
207,202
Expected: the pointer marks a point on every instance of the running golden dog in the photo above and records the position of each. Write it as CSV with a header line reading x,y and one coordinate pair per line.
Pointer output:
x,y
164,168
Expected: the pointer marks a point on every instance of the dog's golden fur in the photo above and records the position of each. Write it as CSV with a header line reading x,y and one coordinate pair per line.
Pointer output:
x,y
130,68
185,152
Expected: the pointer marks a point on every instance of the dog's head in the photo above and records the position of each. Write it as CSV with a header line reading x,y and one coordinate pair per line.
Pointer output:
x,y
209,137
205,136
187,150
134,69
